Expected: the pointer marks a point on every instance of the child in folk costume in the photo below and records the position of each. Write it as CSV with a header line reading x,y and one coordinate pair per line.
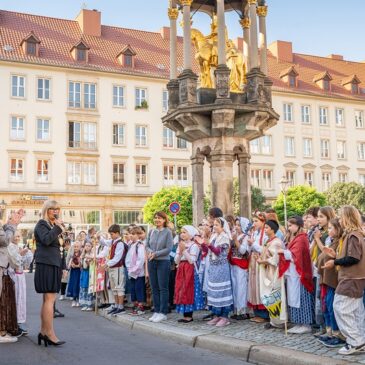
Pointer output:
x,y
19,259
239,261
256,243
86,298
73,287
219,291
329,281
188,295
135,262
298,273
272,290
350,262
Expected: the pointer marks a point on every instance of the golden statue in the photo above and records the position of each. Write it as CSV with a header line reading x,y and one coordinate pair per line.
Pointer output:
x,y
207,57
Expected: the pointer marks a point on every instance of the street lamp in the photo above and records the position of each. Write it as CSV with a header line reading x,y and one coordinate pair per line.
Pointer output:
x,y
2,208
283,185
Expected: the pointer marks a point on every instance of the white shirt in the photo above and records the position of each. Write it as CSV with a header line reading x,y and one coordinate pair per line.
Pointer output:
x,y
118,253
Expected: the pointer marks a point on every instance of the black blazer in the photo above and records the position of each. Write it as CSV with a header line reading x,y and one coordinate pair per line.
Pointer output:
x,y
48,246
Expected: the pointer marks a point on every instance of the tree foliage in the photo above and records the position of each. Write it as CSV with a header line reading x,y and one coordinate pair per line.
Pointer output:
x,y
298,199
161,200
341,194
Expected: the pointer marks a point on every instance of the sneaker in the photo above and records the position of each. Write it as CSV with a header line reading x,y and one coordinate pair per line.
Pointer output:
x,y
18,333
83,308
303,329
73,304
151,319
77,304
89,309
62,297
58,314
214,321
112,310
349,349
160,318
25,331
258,320
320,333
234,316
119,311
223,322
8,339
295,329
334,342
324,339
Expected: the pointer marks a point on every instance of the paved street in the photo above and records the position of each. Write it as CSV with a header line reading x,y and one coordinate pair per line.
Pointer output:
x,y
93,340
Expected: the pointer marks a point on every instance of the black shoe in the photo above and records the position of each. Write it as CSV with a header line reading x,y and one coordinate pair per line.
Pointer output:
x,y
112,311
208,317
119,310
25,332
49,342
102,306
58,314
40,339
18,333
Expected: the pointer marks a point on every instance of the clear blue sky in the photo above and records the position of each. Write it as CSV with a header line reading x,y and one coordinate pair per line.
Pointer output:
x,y
319,27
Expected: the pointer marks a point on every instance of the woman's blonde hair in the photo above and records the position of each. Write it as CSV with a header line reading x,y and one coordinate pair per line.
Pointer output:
x,y
48,204
350,218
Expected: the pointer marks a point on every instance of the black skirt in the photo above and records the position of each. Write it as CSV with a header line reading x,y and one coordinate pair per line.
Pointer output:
x,y
47,278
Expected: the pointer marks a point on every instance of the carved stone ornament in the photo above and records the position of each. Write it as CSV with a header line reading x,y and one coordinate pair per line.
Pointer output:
x,y
222,74
173,89
187,87
262,10
173,13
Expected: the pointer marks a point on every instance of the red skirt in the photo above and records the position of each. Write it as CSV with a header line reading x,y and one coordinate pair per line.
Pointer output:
x,y
184,284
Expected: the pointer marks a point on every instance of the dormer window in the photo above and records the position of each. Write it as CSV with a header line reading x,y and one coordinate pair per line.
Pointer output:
x,y
289,76
323,80
80,51
127,56
30,45
352,84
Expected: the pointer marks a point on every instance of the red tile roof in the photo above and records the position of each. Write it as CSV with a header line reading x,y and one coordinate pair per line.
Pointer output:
x,y
57,37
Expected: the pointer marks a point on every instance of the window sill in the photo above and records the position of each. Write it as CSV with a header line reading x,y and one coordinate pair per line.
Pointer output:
x,y
44,100
42,141
18,97
17,139
119,145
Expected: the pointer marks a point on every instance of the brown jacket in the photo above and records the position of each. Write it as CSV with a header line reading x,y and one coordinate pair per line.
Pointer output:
x,y
328,277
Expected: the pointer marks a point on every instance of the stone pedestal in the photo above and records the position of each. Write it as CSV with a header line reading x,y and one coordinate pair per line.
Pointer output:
x,y
173,90
244,184
187,87
222,84
197,165
255,86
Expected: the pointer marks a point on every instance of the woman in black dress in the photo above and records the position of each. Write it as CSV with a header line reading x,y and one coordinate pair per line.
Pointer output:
x,y
47,278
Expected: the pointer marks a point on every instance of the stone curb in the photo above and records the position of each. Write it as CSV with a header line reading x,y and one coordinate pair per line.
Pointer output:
x,y
248,351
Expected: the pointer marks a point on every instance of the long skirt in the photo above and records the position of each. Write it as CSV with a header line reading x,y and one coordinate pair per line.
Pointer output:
x,y
85,299
305,313
239,288
8,320
21,297
73,288
219,292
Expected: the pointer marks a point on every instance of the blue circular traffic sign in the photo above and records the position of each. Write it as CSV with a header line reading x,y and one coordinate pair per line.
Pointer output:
x,y
175,207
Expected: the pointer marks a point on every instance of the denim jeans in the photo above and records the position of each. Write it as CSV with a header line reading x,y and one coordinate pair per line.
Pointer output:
x,y
159,272
328,313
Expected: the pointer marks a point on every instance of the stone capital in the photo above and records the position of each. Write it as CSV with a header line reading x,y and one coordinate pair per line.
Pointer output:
x,y
197,160
243,158
262,10
173,13
252,2
245,23
186,2
221,157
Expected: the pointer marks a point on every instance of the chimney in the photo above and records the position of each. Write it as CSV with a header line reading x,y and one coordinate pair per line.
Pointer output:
x,y
335,57
90,22
165,32
239,44
283,51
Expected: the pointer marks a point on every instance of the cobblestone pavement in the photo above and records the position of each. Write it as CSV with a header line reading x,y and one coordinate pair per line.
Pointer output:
x,y
249,331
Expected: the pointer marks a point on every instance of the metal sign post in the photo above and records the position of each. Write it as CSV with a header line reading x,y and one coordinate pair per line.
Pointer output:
x,y
174,209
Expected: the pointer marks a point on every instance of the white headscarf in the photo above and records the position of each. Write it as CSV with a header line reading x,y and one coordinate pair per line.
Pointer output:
x,y
226,227
244,222
192,231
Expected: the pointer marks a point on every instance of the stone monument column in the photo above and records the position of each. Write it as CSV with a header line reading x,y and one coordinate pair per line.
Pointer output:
x,y
254,53
187,33
221,175
197,166
245,24
244,184
262,13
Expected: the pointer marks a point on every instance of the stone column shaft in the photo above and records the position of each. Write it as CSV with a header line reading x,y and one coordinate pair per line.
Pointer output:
x,y
197,165
245,23
262,12
253,35
173,14
244,184
221,33
187,33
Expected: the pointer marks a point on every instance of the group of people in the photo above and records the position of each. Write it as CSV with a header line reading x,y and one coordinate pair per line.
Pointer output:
x,y
309,274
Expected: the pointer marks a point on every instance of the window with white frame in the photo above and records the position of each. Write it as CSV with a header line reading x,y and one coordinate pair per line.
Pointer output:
x,y
141,174
89,173
267,179
340,117
289,146
256,178
43,130
74,172
17,128
17,86
361,150
309,178
181,143
42,171
74,94
182,175
290,177
141,136
118,173
89,95
306,114
17,169
326,180
362,179
341,149
141,97
89,136
288,112
168,138
43,89
325,148
323,115
118,96
168,175
307,147
165,100
359,119
255,146
118,134
82,135
342,177
261,145
262,178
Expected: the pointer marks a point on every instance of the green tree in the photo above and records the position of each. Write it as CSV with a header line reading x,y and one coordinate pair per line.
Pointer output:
x,y
258,199
161,200
298,199
341,194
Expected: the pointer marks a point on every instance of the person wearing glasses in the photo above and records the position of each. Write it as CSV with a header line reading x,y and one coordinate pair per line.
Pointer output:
x,y
47,278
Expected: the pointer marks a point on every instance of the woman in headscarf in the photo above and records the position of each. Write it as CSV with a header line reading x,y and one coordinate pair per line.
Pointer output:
x,y
219,293
238,258
188,295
